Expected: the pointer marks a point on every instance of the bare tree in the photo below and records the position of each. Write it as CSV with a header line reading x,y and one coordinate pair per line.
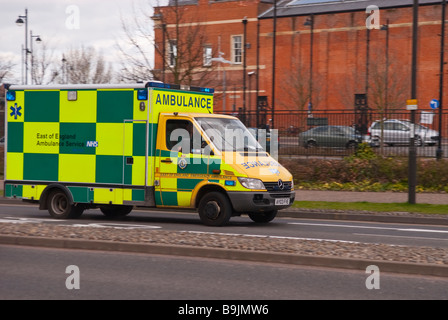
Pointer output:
x,y
388,84
297,87
83,66
41,61
180,45
6,67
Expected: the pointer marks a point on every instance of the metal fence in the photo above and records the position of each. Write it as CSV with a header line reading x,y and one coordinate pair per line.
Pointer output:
x,y
337,133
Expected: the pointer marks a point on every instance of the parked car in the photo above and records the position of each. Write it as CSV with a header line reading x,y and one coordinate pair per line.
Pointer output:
x,y
398,132
330,136
2,141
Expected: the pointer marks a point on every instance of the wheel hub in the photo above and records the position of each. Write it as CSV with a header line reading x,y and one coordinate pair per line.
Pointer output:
x,y
212,210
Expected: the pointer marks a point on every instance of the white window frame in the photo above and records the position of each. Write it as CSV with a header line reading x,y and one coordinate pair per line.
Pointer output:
x,y
208,55
172,52
237,49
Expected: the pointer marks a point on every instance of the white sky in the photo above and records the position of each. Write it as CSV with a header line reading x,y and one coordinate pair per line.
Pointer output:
x,y
99,25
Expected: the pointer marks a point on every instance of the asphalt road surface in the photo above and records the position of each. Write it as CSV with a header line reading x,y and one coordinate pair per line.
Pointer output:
x,y
38,273
366,232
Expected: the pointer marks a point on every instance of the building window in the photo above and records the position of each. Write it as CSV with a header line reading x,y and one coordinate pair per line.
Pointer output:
x,y
237,49
207,56
172,53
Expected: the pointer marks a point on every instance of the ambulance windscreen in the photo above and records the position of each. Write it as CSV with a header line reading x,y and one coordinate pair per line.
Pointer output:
x,y
229,134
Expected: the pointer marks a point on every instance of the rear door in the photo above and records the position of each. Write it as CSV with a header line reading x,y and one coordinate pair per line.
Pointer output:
x,y
134,153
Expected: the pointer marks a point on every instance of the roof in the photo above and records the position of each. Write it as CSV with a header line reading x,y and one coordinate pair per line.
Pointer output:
x,y
288,8
182,2
194,2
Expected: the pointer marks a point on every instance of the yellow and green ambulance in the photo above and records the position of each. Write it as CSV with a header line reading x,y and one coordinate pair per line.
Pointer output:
x,y
116,147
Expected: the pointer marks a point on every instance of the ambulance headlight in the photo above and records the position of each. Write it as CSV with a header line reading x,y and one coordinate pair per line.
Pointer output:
x,y
252,183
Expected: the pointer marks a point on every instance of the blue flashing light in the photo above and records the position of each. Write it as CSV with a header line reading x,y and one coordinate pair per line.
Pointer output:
x,y
142,94
207,90
231,183
155,85
11,96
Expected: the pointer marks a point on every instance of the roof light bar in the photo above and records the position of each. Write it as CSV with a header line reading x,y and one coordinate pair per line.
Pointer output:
x,y
177,87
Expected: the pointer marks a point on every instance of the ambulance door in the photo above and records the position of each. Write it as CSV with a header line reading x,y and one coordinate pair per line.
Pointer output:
x,y
181,166
134,159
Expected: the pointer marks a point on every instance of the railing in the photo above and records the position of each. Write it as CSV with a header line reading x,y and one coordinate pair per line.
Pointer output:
x,y
336,133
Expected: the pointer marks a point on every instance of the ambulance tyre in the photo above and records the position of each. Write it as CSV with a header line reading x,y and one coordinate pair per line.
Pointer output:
x,y
116,211
59,206
215,209
263,217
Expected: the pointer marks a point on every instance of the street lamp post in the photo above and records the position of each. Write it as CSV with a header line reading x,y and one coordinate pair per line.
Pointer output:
x,y
38,40
310,22
386,80
221,60
412,174
439,152
23,20
244,68
20,22
250,74
274,52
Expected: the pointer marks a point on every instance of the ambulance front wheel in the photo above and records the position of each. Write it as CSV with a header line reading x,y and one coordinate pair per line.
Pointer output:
x,y
59,206
215,209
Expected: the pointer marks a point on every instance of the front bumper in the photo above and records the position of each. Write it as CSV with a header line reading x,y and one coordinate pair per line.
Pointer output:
x,y
253,201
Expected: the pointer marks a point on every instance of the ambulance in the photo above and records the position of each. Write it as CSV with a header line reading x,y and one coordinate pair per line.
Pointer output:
x,y
70,148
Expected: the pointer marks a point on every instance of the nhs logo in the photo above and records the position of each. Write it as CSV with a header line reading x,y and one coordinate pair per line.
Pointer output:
x,y
92,144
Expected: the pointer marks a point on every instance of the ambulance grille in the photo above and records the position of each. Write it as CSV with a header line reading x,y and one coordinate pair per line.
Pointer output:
x,y
274,186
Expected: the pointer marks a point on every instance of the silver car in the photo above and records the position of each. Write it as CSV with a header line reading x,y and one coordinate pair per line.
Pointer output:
x,y
398,132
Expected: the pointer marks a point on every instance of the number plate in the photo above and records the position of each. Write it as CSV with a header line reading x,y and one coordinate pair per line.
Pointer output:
x,y
282,201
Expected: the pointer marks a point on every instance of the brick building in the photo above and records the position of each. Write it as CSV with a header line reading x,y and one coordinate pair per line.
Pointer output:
x,y
346,57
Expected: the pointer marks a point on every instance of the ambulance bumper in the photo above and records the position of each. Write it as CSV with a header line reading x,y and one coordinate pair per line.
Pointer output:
x,y
243,202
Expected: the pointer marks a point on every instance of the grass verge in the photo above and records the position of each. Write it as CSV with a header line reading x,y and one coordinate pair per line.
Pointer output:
x,y
377,207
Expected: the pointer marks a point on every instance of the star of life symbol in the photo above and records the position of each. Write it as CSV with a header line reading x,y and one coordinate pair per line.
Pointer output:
x,y
15,111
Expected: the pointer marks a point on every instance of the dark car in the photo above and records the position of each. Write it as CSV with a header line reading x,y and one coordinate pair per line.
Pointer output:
x,y
330,136
2,141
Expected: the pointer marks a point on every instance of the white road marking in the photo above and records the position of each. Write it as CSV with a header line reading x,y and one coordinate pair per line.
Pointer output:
x,y
369,227
404,237
93,225
116,226
269,237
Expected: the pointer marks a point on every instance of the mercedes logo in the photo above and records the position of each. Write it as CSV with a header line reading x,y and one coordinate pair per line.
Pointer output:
x,y
280,184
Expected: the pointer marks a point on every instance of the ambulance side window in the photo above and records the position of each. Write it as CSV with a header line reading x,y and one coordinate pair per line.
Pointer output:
x,y
179,135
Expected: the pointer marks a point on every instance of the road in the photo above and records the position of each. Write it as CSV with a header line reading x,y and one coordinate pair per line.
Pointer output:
x,y
366,232
38,273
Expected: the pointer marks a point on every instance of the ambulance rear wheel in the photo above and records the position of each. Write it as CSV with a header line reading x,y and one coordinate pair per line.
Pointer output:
x,y
59,206
215,209
263,217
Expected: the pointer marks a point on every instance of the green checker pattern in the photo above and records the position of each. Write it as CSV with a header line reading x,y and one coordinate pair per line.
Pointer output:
x,y
44,144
